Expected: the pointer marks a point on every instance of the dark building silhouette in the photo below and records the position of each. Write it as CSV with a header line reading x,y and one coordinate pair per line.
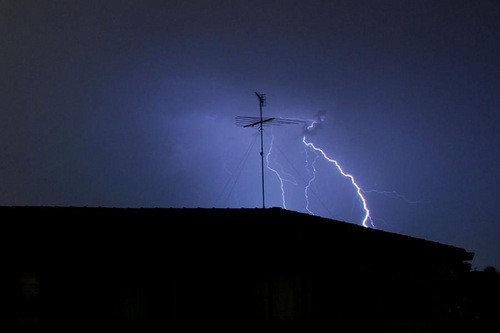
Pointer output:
x,y
160,267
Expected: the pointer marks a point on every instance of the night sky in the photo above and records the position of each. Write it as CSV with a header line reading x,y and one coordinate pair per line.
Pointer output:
x,y
133,104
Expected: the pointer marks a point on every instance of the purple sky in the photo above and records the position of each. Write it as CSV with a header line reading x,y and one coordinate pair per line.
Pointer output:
x,y
133,104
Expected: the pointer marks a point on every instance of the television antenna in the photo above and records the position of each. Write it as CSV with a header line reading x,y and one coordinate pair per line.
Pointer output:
x,y
246,121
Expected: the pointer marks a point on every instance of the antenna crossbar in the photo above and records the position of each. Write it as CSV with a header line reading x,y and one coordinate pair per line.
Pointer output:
x,y
252,121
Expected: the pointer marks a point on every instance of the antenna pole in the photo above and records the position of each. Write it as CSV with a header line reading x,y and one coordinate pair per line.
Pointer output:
x,y
253,121
261,128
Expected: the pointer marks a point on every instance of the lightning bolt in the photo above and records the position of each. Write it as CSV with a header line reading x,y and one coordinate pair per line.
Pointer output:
x,y
367,220
312,179
317,153
359,191
282,180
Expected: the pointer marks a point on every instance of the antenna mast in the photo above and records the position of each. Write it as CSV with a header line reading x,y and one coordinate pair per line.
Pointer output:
x,y
262,100
252,121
